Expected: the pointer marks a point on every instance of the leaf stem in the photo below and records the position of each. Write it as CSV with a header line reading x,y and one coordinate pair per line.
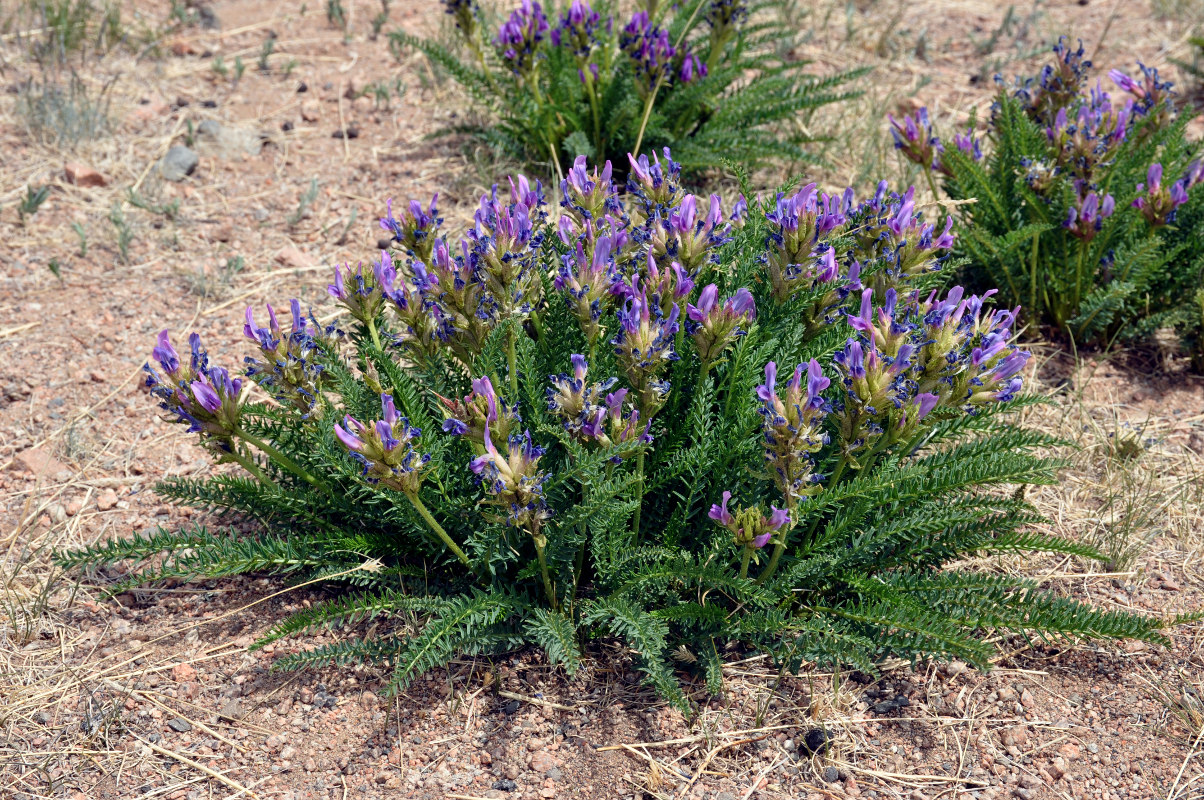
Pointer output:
x,y
281,459
639,489
512,360
744,557
371,324
250,466
541,545
425,513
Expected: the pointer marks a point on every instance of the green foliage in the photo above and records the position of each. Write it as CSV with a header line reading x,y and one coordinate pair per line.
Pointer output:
x,y
1084,209
722,85
32,201
502,490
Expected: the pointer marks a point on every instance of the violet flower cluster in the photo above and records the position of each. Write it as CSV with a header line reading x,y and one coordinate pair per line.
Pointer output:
x,y
750,527
386,449
291,367
1158,202
204,397
520,35
909,357
655,58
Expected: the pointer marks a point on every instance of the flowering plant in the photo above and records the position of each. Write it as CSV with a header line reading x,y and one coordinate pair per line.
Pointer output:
x,y
704,77
769,426
1086,201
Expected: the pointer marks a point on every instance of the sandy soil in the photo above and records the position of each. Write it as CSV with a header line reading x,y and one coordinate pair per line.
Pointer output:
x,y
154,694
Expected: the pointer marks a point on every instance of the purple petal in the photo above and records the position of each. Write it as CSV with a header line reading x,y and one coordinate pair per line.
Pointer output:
x,y
205,395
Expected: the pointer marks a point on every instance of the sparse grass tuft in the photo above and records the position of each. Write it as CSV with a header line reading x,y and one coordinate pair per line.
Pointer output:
x,y
63,114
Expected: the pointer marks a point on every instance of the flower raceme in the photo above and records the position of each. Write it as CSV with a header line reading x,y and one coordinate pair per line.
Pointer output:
x,y
385,448
416,230
751,529
204,397
792,428
519,37
291,366
1086,219
1156,202
716,325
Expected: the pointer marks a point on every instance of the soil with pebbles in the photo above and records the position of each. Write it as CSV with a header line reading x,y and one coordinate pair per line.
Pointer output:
x,y
156,694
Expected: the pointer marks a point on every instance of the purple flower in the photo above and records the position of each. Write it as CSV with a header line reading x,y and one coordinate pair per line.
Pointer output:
x,y
796,224
577,404
792,427
513,480
692,67
586,196
364,295
519,37
656,187
680,236
719,513
587,279
644,347
649,49
385,449
1086,219
968,144
479,409
749,526
416,230
1158,203
715,326
914,138
577,30
204,397
292,366
166,355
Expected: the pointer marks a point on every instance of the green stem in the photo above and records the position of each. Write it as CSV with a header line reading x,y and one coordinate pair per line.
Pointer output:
x,y
540,546
512,360
425,513
639,139
250,466
936,195
702,376
1078,279
280,458
639,488
537,324
373,333
744,557
1032,280
578,568
593,102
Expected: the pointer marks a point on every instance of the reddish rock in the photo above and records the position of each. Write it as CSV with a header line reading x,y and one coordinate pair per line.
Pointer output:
x,y
542,761
82,175
40,462
182,673
293,258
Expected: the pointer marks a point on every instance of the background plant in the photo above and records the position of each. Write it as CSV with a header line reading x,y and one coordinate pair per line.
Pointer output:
x,y
1079,205
712,80
647,419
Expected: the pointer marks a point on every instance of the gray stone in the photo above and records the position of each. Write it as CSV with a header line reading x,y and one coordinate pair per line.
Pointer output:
x,y
226,141
179,725
178,163
831,775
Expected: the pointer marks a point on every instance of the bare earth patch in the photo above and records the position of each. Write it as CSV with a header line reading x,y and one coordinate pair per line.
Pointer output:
x,y
155,693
